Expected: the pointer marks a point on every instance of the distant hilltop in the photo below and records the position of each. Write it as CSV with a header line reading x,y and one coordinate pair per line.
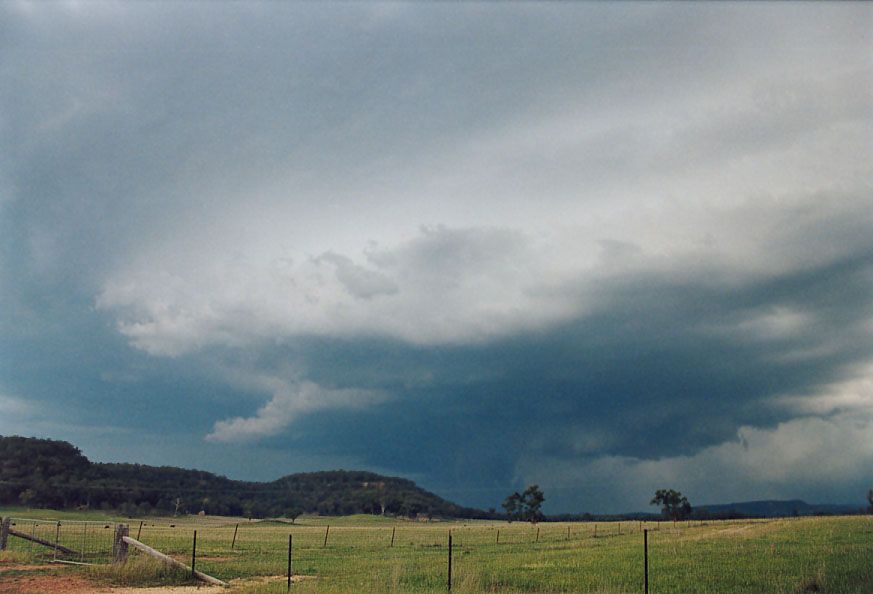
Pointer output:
x,y
55,474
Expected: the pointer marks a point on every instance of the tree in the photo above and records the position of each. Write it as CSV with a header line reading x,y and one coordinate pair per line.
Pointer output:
x,y
293,513
525,506
532,500
512,505
674,505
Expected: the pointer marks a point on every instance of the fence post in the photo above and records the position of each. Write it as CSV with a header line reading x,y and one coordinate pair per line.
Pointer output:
x,y
139,530
450,560
194,553
290,537
393,531
326,533
4,532
119,546
646,561
498,536
538,534
57,539
233,541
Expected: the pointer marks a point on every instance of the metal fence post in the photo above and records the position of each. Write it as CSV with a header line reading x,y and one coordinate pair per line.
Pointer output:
x,y
194,553
450,560
289,561
646,560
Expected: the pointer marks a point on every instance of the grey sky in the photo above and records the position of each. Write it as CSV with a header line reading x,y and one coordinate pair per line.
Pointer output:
x,y
627,243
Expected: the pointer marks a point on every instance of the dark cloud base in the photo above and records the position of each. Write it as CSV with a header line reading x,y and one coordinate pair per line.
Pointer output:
x,y
651,375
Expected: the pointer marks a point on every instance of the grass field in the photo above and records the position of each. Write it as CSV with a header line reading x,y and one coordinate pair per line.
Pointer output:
x,y
780,556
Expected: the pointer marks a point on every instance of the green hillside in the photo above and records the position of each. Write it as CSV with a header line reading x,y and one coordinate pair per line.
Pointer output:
x,y
55,474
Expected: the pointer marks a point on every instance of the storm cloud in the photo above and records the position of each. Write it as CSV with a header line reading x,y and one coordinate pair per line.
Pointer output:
x,y
607,248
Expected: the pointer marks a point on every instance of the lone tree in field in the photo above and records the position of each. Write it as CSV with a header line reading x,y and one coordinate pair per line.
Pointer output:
x,y
674,505
533,500
512,505
525,506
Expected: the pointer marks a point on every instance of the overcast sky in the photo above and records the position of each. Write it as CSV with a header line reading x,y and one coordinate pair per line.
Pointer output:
x,y
606,248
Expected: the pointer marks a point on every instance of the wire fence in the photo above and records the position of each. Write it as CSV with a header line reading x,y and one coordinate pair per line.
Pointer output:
x,y
64,541
782,555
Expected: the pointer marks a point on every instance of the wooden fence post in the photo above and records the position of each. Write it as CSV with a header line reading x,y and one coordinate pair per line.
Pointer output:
x,y
4,532
393,531
326,533
57,539
233,542
119,546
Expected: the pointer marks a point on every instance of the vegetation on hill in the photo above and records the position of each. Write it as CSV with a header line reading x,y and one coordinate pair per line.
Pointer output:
x,y
55,474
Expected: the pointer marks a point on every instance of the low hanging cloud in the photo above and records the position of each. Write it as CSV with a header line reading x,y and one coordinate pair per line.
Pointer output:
x,y
288,402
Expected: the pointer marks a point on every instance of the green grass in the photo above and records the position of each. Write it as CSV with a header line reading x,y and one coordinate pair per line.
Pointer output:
x,y
781,556
139,571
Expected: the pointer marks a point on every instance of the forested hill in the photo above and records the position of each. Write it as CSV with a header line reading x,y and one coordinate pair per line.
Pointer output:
x,y
48,473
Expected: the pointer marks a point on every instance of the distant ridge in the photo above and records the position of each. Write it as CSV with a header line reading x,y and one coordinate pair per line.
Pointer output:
x,y
55,474
774,508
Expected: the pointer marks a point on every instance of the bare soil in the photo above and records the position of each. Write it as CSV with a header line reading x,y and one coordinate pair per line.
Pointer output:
x,y
33,583
21,578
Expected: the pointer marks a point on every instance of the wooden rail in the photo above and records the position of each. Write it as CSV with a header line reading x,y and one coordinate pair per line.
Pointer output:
x,y
170,561
59,548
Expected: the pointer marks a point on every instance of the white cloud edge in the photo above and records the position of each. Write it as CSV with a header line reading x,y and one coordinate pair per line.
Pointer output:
x,y
290,401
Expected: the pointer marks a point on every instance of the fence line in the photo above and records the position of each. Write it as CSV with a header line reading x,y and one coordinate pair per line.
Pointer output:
x,y
634,551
